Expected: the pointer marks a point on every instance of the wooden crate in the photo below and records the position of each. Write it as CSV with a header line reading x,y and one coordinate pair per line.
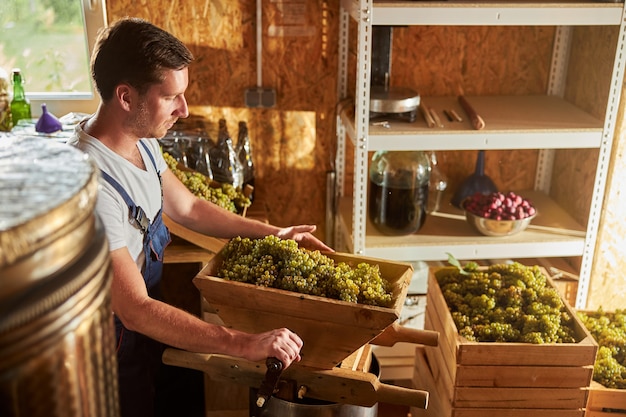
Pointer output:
x,y
439,406
331,329
506,375
605,402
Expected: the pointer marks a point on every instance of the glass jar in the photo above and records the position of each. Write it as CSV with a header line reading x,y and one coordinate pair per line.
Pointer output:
x,y
398,195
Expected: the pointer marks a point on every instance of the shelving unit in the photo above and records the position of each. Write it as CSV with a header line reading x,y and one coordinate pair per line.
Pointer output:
x,y
546,122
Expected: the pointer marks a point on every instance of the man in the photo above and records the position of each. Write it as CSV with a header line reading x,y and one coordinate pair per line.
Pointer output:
x,y
141,75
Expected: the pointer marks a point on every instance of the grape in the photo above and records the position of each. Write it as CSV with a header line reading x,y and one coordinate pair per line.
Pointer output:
x,y
499,206
225,196
280,263
609,331
505,303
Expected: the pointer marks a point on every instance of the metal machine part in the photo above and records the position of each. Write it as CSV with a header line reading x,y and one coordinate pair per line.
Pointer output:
x,y
270,382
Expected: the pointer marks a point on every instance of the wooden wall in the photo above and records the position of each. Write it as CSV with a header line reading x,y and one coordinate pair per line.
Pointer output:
x,y
294,142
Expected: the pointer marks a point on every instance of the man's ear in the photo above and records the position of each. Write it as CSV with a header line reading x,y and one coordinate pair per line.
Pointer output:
x,y
124,96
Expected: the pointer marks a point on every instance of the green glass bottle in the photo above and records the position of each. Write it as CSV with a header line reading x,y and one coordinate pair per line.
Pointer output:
x,y
20,106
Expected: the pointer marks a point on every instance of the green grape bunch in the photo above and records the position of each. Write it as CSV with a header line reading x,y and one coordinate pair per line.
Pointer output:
x,y
609,331
505,303
225,196
281,263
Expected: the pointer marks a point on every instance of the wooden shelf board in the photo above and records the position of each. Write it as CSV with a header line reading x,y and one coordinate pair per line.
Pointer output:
x,y
511,122
449,232
494,13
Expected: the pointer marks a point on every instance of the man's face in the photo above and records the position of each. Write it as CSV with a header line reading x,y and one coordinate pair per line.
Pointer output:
x,y
161,106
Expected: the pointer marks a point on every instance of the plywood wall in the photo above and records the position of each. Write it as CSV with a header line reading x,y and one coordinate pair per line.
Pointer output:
x,y
293,141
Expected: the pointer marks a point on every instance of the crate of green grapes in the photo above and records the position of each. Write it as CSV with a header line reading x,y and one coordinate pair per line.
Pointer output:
x,y
607,392
335,302
508,340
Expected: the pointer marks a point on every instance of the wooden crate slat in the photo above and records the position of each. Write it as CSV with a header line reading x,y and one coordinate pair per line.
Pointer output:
x,y
601,398
446,352
530,398
523,376
516,412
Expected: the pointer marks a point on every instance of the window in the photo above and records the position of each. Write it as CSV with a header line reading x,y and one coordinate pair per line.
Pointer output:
x,y
51,42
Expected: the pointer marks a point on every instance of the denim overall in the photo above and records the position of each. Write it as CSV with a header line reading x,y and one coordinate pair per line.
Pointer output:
x,y
139,357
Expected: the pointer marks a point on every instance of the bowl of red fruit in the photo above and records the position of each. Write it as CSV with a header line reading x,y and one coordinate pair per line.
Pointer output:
x,y
498,214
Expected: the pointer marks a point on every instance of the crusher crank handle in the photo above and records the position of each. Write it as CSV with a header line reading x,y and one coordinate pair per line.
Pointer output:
x,y
272,375
398,333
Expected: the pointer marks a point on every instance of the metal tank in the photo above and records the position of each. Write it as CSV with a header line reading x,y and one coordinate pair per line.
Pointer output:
x,y
57,348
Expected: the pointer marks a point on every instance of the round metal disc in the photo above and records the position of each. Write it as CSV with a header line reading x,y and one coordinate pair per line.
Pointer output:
x,y
393,100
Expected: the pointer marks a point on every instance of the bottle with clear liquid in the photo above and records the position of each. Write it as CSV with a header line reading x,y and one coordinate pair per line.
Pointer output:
x,y
244,153
20,105
398,195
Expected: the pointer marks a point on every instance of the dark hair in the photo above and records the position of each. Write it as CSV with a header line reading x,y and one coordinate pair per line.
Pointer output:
x,y
136,52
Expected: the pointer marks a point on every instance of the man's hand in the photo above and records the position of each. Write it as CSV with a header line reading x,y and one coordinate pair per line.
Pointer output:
x,y
282,344
303,234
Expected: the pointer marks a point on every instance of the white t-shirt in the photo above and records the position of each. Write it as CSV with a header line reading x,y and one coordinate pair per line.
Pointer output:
x,y
141,185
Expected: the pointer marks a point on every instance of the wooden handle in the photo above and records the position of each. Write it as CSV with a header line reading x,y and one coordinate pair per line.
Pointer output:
x,y
397,333
430,122
393,394
477,121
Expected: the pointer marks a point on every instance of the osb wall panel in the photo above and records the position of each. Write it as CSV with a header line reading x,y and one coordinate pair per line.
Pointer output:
x,y
292,141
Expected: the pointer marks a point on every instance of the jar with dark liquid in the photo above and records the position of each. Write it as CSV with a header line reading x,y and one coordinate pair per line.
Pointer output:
x,y
398,198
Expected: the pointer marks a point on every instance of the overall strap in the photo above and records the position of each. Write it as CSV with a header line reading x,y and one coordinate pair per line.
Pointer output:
x,y
155,167
150,155
135,212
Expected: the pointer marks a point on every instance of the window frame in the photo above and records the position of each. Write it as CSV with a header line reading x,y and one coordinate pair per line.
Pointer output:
x,y
59,104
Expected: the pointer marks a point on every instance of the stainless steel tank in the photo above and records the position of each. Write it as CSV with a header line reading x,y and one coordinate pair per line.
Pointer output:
x,y
57,348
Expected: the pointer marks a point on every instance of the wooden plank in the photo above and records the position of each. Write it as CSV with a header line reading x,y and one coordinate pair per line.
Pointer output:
x,y
517,412
523,376
602,398
520,397
437,366
438,405
186,254
436,319
207,242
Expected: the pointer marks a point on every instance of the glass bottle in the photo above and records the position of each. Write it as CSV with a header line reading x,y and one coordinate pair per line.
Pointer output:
x,y
20,105
437,184
244,153
398,198
225,165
